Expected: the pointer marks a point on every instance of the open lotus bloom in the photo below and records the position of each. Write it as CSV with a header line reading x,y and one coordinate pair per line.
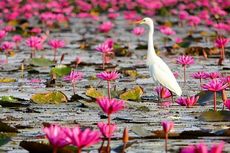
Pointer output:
x,y
187,101
202,148
56,135
162,92
185,60
110,106
107,130
108,76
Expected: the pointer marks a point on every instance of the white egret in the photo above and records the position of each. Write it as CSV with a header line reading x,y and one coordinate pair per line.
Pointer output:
x,y
158,69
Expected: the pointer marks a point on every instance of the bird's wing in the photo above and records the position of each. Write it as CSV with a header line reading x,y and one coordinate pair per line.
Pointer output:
x,y
164,75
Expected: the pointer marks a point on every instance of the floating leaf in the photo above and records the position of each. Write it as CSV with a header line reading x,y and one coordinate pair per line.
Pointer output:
x,y
219,116
4,139
54,97
61,70
36,147
41,62
122,51
130,72
132,94
10,101
93,93
6,128
140,131
206,96
7,80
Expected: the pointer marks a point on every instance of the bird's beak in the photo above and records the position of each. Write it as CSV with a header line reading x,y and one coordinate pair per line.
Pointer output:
x,y
138,22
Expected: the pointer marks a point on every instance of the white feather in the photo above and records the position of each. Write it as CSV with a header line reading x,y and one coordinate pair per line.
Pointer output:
x,y
159,70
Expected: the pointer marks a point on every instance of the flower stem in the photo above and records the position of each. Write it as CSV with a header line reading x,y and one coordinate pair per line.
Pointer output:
x,y
74,90
55,54
103,61
200,83
109,93
79,150
109,138
102,144
214,101
55,150
184,74
166,142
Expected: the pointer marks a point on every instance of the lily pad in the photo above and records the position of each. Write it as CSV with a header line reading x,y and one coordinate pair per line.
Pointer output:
x,y
6,128
10,101
61,70
206,96
54,97
4,139
36,147
219,116
132,94
41,62
94,93
7,80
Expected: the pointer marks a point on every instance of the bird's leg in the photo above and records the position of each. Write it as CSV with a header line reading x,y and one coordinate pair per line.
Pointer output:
x,y
171,96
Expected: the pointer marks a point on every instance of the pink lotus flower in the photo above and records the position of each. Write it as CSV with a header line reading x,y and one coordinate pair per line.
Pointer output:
x,y
167,127
82,138
227,103
108,76
105,48
106,27
178,40
110,106
56,136
17,38
217,148
214,86
9,28
184,61
187,101
213,75
7,46
106,129
55,44
193,20
36,30
183,15
35,43
199,148
73,77
199,75
167,30
202,148
162,92
3,34
221,42
138,31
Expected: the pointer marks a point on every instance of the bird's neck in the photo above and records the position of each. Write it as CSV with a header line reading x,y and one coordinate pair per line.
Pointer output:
x,y
151,50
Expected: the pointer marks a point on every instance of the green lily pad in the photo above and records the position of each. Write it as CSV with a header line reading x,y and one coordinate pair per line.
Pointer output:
x,y
4,139
55,97
219,116
94,93
61,70
8,99
41,62
132,94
